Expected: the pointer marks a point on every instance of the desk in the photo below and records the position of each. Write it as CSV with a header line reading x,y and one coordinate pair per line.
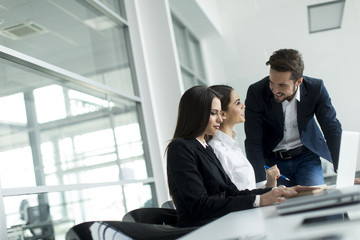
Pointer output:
x,y
265,224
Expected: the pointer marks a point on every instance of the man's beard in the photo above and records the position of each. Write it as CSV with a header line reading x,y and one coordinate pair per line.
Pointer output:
x,y
288,98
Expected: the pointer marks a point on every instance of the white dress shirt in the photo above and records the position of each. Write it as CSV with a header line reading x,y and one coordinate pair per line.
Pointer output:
x,y
233,160
291,138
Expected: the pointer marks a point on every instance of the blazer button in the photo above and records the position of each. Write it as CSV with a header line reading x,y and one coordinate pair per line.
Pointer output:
x,y
222,195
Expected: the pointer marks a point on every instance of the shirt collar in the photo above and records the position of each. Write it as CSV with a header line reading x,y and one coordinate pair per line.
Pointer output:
x,y
203,144
297,95
225,138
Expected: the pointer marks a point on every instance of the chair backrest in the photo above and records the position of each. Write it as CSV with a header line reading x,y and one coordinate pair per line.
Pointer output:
x,y
161,216
168,204
38,214
80,231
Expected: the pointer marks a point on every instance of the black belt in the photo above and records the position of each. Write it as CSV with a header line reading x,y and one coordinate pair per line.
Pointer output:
x,y
288,154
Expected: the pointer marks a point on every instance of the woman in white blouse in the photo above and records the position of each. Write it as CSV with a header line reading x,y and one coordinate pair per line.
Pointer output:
x,y
227,149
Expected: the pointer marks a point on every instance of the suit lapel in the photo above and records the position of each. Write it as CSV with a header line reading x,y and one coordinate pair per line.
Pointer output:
x,y
301,106
211,156
208,153
277,110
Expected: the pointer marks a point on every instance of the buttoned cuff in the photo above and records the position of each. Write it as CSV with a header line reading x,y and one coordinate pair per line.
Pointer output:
x,y
257,201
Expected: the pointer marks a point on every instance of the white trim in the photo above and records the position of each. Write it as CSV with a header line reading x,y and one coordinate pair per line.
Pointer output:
x,y
7,192
107,12
3,227
33,63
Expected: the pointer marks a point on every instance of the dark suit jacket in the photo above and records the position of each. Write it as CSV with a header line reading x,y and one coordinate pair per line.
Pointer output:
x,y
264,126
199,186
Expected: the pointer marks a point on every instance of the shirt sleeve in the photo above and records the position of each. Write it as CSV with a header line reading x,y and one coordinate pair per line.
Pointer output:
x,y
261,184
257,201
235,164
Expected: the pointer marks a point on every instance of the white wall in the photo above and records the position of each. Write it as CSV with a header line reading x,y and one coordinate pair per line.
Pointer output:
x,y
247,32
259,29
332,55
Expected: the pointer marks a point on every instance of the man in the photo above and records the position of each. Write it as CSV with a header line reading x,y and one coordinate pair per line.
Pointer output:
x,y
280,126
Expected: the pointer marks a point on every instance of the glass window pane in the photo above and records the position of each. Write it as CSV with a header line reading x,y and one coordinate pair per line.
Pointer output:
x,y
50,103
138,195
97,140
16,162
196,58
60,144
53,214
73,153
191,61
188,80
71,35
16,113
115,5
181,44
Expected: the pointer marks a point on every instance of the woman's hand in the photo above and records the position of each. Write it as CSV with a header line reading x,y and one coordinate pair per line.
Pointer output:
x,y
357,181
300,188
272,174
277,195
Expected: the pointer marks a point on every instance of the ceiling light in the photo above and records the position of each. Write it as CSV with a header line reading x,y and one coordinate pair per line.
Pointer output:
x,y
325,16
100,23
23,30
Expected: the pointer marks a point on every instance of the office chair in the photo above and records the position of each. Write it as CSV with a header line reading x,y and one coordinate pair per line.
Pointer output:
x,y
120,230
80,231
160,216
168,204
38,221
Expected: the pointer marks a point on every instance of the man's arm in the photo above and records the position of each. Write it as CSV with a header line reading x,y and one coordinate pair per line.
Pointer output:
x,y
254,133
330,125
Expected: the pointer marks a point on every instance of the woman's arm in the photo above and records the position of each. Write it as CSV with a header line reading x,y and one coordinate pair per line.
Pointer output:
x,y
187,175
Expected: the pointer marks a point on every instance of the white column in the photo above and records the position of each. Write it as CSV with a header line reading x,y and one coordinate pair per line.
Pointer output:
x,y
3,227
159,77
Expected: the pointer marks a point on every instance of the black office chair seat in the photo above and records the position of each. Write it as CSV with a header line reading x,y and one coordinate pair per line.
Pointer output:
x,y
161,216
109,230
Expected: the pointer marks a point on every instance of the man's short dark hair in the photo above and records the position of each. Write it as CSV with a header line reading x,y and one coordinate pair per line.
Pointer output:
x,y
287,60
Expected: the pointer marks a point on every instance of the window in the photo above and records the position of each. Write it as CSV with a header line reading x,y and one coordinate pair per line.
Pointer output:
x,y
70,120
189,51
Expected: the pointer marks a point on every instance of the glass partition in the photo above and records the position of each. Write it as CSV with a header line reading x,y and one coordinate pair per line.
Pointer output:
x,y
72,35
51,215
70,123
189,51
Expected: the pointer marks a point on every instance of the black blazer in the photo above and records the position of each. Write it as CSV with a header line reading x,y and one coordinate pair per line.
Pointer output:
x,y
264,126
199,186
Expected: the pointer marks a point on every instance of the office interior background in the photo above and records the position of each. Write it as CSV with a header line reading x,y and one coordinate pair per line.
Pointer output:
x,y
89,90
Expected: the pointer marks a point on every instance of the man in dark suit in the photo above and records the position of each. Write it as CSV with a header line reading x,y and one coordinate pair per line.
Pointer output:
x,y
280,126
